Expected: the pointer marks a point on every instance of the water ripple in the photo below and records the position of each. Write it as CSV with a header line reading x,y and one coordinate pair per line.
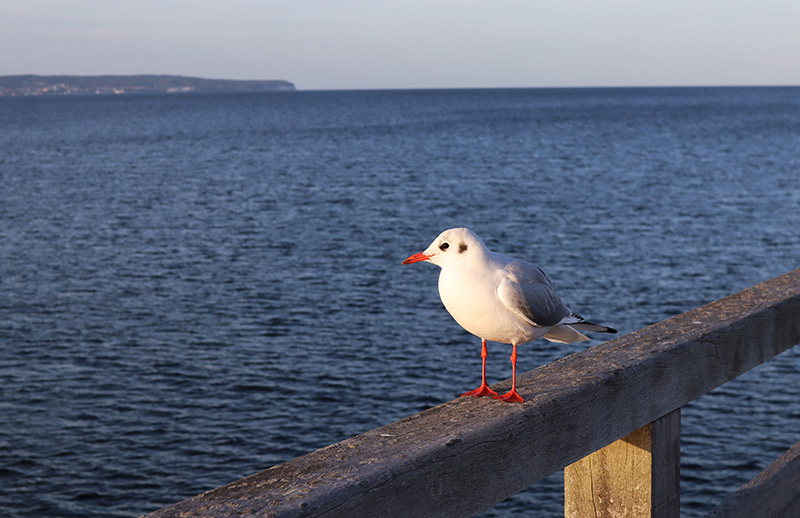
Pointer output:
x,y
195,288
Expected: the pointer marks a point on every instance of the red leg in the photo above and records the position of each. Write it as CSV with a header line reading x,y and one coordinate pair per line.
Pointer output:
x,y
484,389
511,396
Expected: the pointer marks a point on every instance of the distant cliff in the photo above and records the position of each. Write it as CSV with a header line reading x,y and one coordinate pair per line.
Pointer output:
x,y
139,84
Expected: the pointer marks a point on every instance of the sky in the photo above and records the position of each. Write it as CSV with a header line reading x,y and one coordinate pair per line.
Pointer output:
x,y
378,44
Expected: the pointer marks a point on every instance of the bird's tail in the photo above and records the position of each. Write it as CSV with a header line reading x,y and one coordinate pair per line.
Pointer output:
x,y
591,326
564,335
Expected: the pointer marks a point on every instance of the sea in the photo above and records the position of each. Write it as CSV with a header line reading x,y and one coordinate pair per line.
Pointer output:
x,y
194,288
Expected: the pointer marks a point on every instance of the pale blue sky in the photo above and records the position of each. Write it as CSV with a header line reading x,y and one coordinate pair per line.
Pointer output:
x,y
347,44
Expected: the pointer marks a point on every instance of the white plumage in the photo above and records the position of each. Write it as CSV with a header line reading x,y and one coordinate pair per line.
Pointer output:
x,y
500,299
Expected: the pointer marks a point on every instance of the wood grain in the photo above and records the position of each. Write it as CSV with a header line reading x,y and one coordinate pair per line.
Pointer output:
x,y
464,456
638,475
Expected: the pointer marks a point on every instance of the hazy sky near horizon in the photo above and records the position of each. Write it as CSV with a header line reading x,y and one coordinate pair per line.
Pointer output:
x,y
355,44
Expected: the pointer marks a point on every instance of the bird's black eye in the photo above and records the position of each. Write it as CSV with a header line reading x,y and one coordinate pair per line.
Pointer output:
x,y
444,246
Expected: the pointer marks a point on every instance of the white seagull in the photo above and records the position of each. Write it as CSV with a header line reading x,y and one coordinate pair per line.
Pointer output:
x,y
500,299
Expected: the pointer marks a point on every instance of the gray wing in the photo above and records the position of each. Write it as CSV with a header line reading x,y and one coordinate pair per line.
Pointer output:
x,y
529,294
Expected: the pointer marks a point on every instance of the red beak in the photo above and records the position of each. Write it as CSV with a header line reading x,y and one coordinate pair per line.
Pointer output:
x,y
416,258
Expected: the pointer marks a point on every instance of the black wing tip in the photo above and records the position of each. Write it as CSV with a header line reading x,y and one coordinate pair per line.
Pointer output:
x,y
605,329
597,328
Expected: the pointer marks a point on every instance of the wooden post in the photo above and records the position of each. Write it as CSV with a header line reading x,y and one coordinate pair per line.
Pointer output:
x,y
638,475
464,456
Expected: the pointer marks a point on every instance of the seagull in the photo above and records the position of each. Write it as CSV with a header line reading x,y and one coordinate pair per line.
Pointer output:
x,y
499,299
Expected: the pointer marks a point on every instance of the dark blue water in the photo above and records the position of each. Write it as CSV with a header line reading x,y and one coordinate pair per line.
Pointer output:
x,y
195,288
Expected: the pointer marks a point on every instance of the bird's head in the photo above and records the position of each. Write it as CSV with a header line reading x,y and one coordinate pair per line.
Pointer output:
x,y
451,246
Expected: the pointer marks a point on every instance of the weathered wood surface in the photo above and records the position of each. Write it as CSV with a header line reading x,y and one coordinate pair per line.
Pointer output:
x,y
464,456
773,493
638,475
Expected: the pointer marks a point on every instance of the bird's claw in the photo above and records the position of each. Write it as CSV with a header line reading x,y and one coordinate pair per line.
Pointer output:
x,y
510,397
481,391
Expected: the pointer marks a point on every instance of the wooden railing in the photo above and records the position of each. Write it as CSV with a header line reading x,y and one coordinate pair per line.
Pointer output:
x,y
609,416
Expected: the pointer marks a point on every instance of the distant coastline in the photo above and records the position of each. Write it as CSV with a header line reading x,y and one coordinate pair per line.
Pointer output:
x,y
29,85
